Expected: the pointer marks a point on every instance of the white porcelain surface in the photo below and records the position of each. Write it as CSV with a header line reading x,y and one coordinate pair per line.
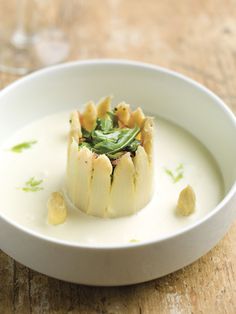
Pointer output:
x,y
163,92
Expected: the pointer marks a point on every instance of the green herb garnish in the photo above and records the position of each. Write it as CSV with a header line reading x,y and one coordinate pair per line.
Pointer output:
x,y
105,124
133,241
86,134
22,146
133,146
114,119
127,136
177,174
32,185
99,136
108,139
115,155
85,144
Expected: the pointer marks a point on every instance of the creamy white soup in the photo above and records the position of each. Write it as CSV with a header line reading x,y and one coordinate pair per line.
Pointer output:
x,y
33,164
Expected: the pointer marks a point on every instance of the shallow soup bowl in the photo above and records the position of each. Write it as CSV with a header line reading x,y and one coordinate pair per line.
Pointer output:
x,y
161,92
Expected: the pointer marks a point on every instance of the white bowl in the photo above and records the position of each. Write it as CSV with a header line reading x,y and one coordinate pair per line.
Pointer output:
x,y
165,93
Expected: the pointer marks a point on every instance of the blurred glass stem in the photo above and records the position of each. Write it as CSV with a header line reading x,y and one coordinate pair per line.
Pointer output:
x,y
28,48
21,38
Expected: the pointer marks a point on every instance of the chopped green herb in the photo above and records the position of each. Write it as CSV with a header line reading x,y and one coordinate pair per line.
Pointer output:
x,y
133,146
99,136
114,119
105,124
86,134
108,139
178,177
32,185
22,146
85,144
180,167
115,155
108,146
133,241
177,174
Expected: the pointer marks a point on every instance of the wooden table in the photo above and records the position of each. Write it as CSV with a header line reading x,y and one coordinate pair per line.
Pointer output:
x,y
197,38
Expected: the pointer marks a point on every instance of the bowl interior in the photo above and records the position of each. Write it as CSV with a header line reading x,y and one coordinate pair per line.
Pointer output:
x,y
162,92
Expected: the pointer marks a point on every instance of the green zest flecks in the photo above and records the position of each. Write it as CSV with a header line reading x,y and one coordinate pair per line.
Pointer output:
x,y
22,146
133,241
177,174
32,185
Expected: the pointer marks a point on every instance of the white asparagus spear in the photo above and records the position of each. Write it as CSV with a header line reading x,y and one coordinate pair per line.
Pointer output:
x,y
137,117
100,186
89,116
122,202
122,111
84,163
147,137
103,106
75,127
72,171
143,178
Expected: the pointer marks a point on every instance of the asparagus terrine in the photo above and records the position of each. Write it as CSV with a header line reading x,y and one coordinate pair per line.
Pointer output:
x,y
110,159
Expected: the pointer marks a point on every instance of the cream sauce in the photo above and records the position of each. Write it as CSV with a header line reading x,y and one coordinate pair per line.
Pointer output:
x,y
46,160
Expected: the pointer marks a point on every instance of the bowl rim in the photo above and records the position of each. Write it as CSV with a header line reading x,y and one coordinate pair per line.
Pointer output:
x,y
136,64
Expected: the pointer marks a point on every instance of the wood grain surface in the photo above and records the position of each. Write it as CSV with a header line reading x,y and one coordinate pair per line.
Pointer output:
x,y
194,37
